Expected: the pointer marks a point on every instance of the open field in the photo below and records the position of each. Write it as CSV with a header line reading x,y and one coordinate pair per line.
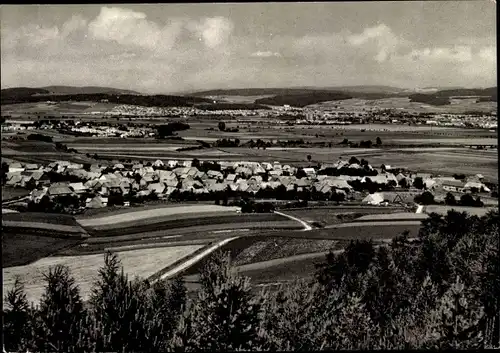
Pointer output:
x,y
201,225
281,247
48,218
443,210
405,104
56,108
336,215
20,247
9,193
152,213
85,268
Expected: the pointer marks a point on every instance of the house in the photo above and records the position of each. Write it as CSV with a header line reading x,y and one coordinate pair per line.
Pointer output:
x,y
475,185
171,182
216,187
267,166
158,163
215,175
96,202
311,172
256,178
28,182
453,185
244,171
275,173
186,164
13,178
164,174
78,188
16,168
56,190
93,184
119,166
374,199
172,164
75,166
137,166
430,184
31,167
231,177
158,188
37,194
169,190
258,170
202,176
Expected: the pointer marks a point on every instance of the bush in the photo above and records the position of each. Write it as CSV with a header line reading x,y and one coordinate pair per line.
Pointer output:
x,y
426,198
39,137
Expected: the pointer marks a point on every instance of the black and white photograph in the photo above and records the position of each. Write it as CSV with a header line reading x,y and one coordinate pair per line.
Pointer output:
x,y
249,176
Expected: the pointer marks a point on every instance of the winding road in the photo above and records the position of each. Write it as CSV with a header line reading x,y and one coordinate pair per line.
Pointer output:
x,y
221,243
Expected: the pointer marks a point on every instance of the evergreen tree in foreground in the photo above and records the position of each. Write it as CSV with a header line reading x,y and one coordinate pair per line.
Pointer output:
x,y
225,316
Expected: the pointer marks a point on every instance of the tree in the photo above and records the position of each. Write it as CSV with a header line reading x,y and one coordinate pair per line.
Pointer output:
x,y
450,199
222,126
418,183
378,141
61,312
426,198
17,319
309,157
225,316
467,200
195,163
354,160
403,183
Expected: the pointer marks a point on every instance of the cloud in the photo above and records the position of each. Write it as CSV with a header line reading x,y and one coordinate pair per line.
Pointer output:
x,y
453,54
127,49
381,37
124,26
214,31
488,54
265,54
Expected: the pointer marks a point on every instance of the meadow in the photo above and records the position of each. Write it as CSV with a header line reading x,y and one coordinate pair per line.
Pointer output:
x,y
85,268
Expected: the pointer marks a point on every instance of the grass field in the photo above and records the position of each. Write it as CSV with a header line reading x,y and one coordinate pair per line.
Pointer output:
x,y
443,210
20,247
336,215
85,268
137,215
280,247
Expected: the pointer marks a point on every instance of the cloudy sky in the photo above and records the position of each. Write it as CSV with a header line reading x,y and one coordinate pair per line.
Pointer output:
x,y
180,47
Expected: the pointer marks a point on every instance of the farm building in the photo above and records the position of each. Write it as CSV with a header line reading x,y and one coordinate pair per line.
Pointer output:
x,y
78,188
59,191
470,185
374,199
37,194
96,202
453,185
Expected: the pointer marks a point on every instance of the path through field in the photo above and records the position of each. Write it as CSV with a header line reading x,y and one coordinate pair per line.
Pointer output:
x,y
306,226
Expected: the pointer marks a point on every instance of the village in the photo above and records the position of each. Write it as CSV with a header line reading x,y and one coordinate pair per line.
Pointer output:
x,y
98,186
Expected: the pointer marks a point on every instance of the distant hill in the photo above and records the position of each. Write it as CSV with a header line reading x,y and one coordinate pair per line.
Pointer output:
x,y
442,97
296,90
21,92
86,90
303,99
